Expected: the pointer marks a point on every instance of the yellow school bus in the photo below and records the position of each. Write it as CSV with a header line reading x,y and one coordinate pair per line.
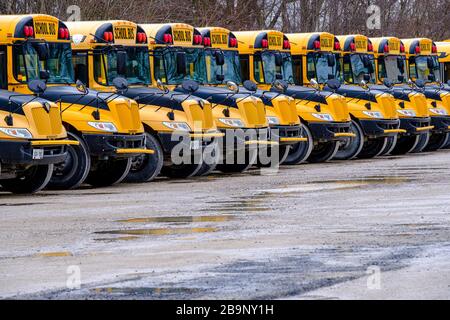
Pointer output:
x,y
107,126
111,49
391,76
221,46
265,57
424,71
374,112
444,59
177,54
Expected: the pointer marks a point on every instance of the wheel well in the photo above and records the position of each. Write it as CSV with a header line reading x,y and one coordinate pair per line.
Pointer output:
x,y
153,132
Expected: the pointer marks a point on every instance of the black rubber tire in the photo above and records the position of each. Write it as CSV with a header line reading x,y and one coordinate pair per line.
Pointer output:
x,y
182,171
437,141
324,152
211,157
73,172
390,146
301,151
32,180
283,152
406,144
351,149
109,172
146,168
251,159
373,148
423,142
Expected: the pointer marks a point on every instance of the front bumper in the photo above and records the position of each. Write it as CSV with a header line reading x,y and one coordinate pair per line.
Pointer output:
x,y
247,139
381,128
38,152
115,145
287,135
330,131
196,142
415,126
441,124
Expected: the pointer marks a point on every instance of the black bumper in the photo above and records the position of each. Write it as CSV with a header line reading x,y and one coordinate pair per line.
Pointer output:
x,y
377,128
441,124
21,153
107,145
279,132
411,125
239,139
170,141
326,131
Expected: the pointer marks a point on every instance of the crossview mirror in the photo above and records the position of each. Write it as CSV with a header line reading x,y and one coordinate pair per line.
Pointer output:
x,y
232,86
161,86
220,59
81,87
314,84
190,86
250,86
120,84
420,83
363,84
42,50
333,84
280,86
181,62
37,86
122,62
388,83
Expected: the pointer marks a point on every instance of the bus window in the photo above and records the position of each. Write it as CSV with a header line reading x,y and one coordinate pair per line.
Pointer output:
x,y
446,71
297,70
258,66
245,67
99,69
311,67
3,69
158,66
412,68
80,65
382,73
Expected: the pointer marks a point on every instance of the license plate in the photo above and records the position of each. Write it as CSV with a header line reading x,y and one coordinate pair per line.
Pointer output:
x,y
195,145
38,154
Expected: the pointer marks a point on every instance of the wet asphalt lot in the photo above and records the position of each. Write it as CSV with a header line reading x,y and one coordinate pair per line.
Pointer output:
x,y
307,232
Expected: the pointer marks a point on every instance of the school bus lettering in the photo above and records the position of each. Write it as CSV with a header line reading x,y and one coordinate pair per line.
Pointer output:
x,y
274,41
124,33
219,39
394,45
44,29
326,43
182,35
361,44
425,46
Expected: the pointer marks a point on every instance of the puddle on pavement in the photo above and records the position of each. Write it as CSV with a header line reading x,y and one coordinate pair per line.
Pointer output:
x,y
159,232
144,291
129,238
21,204
54,254
180,219
366,180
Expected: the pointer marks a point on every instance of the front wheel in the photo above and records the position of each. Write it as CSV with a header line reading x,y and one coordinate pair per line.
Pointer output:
x,y
350,149
423,142
300,152
250,160
324,152
146,167
406,145
437,141
32,180
373,148
109,172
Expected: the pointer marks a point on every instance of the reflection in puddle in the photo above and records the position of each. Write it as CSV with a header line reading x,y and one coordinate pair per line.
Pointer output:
x,y
20,204
369,180
159,232
54,254
130,238
237,208
186,219
145,291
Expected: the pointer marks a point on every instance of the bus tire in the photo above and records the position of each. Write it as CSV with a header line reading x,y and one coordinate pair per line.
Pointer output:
x,y
250,160
109,172
423,142
437,141
146,167
353,146
71,173
32,180
373,148
324,152
300,152
390,146
210,163
406,145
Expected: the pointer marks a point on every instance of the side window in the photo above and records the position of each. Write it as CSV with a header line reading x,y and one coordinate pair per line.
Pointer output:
x,y
99,69
297,69
3,68
382,74
245,67
258,68
80,65
348,75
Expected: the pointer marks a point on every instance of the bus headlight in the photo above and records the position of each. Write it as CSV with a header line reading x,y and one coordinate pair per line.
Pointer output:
x,y
17,133
323,116
177,126
408,113
232,122
373,114
103,126
440,112
273,120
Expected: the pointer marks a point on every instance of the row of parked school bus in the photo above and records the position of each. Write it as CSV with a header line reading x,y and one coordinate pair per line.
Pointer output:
x,y
100,102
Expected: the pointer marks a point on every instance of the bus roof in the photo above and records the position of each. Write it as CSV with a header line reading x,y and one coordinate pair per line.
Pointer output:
x,y
176,34
220,38
87,34
419,46
302,43
357,43
31,26
388,45
251,41
444,51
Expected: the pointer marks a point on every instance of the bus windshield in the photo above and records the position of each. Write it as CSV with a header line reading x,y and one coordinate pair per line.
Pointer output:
x,y
392,68
30,62
137,66
321,68
421,69
267,70
165,65
357,66
230,69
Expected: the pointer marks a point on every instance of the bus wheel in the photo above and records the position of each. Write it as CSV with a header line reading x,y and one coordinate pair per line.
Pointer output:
x,y
390,146
437,141
250,160
373,148
406,145
71,173
181,171
109,172
352,147
32,180
146,167
423,142
324,152
283,152
300,152
210,160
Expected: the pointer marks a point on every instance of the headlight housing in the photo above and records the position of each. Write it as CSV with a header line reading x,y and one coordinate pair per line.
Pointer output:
x,y
408,113
323,116
238,123
373,114
177,126
273,120
103,126
441,112
17,133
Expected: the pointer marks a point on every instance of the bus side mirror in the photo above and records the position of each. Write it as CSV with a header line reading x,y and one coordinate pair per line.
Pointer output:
x,y
220,77
431,77
44,75
367,77
280,85
42,49
190,85
278,59
331,60
388,83
371,68
401,64
334,84
250,86
81,87
120,84
181,63
401,79
121,62
220,59
430,63
37,86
